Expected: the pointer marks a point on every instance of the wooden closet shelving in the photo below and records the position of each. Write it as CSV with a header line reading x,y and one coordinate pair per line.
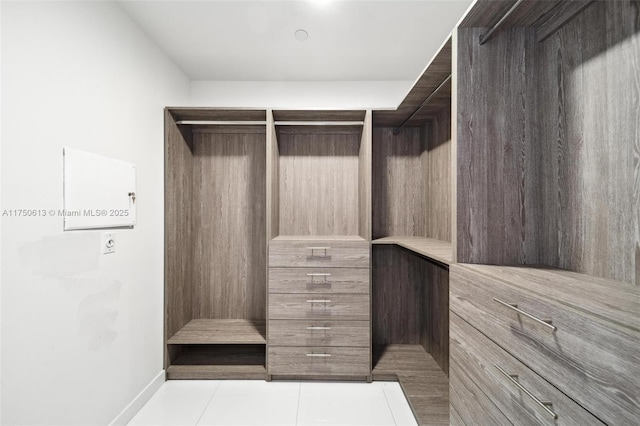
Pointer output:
x,y
436,250
220,331
412,241
215,243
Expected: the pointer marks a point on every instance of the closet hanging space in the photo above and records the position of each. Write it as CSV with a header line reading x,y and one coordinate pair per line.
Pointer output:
x,y
215,243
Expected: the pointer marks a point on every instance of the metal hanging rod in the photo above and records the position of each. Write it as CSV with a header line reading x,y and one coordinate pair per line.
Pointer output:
x,y
222,123
319,123
422,105
484,38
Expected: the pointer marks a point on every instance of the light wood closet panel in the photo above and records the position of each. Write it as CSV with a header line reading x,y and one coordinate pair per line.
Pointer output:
x,y
229,226
179,250
319,180
399,183
589,131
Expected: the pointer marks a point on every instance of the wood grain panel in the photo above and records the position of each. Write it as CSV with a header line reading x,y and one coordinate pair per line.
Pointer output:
x,y
400,179
273,181
319,306
179,251
591,359
438,69
319,333
437,208
437,251
211,331
217,114
530,13
435,338
340,361
469,404
318,173
319,115
364,179
229,226
319,280
478,357
498,195
216,372
318,253
398,311
424,383
590,142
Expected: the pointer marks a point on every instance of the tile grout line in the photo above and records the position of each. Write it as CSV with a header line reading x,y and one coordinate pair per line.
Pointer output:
x,y
208,403
298,405
389,405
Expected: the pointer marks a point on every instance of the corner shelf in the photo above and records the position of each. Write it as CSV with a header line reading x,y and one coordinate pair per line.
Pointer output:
x,y
422,380
439,251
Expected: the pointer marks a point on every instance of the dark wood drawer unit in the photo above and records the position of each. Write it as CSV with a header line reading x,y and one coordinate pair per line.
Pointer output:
x,y
566,327
319,280
515,389
318,361
319,253
319,333
319,306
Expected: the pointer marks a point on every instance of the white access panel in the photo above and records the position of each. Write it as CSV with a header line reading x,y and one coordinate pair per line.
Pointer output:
x,y
99,192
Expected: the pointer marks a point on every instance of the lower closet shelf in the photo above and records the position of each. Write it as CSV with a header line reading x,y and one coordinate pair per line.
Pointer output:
x,y
424,383
216,372
220,331
217,362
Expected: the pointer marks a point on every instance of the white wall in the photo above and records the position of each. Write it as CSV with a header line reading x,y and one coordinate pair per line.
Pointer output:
x,y
300,94
81,331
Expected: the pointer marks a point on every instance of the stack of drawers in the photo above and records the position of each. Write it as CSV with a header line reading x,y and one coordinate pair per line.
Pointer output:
x,y
542,346
319,308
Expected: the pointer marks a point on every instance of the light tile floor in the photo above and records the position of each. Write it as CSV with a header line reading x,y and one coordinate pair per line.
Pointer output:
x,y
254,402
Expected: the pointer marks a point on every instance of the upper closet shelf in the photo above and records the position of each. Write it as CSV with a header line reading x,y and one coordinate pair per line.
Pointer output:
x,y
439,251
221,332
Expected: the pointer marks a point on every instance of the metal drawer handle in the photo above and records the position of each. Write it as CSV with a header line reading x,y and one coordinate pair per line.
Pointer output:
x,y
320,355
319,301
313,249
543,404
318,274
318,328
514,307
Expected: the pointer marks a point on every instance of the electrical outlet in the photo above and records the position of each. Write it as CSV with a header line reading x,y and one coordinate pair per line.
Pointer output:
x,y
108,243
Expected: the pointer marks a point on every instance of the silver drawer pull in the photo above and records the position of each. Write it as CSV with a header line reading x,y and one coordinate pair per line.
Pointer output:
x,y
320,355
318,328
514,307
319,301
542,404
314,249
318,275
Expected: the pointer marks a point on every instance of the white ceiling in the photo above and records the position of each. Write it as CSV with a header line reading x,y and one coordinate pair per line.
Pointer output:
x,y
254,40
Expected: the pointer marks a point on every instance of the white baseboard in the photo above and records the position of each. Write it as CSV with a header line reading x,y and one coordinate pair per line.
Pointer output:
x,y
138,402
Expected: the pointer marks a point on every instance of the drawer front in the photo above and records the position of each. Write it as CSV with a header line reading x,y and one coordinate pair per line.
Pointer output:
x,y
318,333
318,280
318,361
499,375
319,306
469,404
591,360
318,254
